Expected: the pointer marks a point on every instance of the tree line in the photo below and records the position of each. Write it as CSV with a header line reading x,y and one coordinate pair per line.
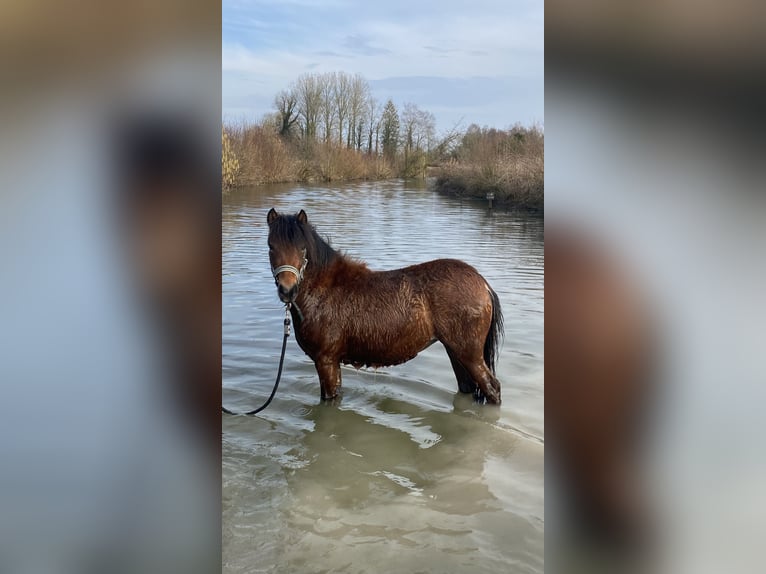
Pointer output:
x,y
329,126
336,107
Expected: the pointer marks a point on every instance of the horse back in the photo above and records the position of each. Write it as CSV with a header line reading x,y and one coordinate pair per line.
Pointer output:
x,y
447,294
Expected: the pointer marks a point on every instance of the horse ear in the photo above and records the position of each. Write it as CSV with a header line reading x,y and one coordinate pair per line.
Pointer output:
x,y
302,217
272,216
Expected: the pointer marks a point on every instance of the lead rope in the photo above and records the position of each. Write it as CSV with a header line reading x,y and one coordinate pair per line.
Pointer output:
x,y
279,372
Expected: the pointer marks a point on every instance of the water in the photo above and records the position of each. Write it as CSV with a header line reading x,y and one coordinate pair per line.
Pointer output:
x,y
405,474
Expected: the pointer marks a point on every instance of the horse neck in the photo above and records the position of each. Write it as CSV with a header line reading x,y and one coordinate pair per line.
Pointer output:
x,y
341,266
316,274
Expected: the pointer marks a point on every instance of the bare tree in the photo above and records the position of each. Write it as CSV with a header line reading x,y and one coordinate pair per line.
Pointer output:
x,y
359,93
286,103
341,99
417,132
447,143
409,118
418,128
327,83
372,115
309,95
425,131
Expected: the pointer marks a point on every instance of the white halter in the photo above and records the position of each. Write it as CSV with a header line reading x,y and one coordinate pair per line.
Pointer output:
x,y
294,270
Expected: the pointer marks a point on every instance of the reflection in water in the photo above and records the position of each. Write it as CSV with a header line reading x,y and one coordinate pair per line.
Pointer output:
x,y
404,473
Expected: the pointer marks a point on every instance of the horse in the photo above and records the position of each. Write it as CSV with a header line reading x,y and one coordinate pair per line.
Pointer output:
x,y
345,313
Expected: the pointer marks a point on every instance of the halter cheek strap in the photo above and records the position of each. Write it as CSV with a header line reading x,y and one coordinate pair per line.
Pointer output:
x,y
290,269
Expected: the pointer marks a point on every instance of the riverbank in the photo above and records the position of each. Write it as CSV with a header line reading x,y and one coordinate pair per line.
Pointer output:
x,y
257,154
508,164
518,186
264,156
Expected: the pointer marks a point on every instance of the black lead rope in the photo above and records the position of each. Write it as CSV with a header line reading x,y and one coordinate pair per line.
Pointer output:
x,y
279,372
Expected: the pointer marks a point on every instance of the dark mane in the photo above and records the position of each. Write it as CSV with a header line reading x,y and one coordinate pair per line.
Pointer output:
x,y
287,229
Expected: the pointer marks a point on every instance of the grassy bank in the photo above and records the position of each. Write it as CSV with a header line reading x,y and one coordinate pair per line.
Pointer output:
x,y
509,163
263,156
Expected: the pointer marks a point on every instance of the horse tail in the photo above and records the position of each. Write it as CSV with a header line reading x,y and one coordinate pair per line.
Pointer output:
x,y
495,333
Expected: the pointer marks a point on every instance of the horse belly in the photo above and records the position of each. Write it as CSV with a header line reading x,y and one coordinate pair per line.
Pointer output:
x,y
381,344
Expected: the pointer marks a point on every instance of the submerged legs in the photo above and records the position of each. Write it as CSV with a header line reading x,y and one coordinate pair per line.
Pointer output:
x,y
471,372
329,377
487,382
464,381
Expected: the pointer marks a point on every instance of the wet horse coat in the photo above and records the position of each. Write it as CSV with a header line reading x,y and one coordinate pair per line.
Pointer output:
x,y
344,312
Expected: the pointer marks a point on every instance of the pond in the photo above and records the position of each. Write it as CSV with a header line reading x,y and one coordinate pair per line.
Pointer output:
x,y
405,474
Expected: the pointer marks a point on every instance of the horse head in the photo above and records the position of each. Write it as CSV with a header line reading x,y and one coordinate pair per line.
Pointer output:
x,y
287,252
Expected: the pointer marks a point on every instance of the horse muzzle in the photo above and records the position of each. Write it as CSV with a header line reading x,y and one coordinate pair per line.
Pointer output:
x,y
287,294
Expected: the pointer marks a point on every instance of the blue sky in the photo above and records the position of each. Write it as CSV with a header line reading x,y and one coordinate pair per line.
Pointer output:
x,y
468,61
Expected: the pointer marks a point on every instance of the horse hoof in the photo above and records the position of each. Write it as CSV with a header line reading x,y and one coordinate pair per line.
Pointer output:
x,y
333,400
481,398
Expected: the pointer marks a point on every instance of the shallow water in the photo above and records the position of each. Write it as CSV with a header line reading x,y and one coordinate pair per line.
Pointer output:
x,y
405,474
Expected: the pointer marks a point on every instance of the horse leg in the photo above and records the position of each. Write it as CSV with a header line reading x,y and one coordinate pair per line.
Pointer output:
x,y
469,355
464,381
329,377
487,382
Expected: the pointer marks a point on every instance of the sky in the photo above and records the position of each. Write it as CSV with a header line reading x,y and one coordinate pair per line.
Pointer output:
x,y
466,61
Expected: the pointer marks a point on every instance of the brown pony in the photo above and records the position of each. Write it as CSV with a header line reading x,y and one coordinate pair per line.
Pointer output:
x,y
345,313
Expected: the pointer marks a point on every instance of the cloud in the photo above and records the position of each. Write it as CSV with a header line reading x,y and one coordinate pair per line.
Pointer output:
x,y
479,59
440,52
331,54
361,45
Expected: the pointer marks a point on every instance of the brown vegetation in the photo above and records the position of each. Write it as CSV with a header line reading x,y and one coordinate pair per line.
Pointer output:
x,y
507,163
266,157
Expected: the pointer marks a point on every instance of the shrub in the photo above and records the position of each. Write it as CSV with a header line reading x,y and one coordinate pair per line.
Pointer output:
x,y
229,163
509,163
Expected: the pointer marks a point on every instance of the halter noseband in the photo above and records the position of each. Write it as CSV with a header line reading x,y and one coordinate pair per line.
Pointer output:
x,y
289,268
